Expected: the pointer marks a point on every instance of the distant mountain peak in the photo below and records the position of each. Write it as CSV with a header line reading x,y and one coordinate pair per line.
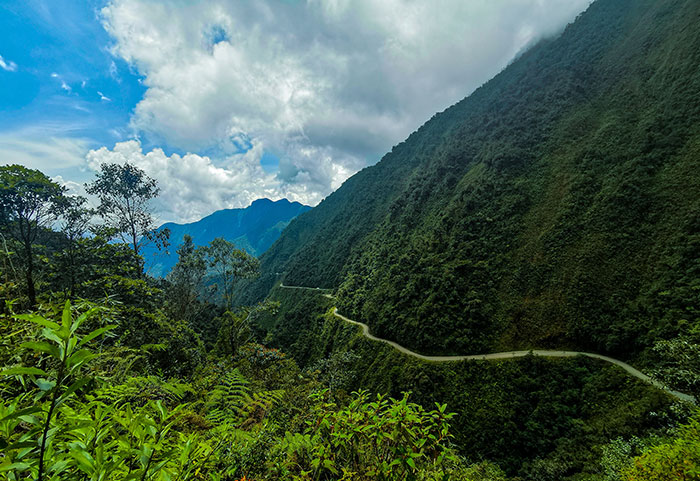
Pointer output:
x,y
254,229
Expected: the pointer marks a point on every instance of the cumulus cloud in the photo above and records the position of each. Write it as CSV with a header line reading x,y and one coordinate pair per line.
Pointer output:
x,y
328,86
193,185
7,65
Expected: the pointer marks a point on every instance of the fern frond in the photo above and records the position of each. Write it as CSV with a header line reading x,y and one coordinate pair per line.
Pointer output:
x,y
228,399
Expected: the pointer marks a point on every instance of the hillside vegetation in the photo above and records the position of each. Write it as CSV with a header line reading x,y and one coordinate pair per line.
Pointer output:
x,y
556,206
537,418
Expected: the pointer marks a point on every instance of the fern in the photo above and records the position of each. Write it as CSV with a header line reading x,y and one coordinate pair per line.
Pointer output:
x,y
260,404
228,399
140,390
231,402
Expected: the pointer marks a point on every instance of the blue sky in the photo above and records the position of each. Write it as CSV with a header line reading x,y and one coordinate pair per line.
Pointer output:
x,y
227,101
65,82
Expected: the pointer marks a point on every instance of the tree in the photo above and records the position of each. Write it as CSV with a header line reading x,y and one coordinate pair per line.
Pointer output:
x,y
229,265
29,202
337,370
186,281
678,459
678,363
74,224
234,327
124,192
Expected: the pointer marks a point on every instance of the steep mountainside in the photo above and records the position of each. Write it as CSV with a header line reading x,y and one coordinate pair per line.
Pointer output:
x,y
254,229
557,206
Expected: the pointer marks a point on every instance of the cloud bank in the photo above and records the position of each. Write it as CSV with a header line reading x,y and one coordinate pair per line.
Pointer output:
x,y
193,184
326,86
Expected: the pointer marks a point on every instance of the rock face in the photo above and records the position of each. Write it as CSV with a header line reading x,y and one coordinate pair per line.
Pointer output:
x,y
254,229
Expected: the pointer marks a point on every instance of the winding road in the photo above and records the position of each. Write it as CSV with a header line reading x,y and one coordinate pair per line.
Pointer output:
x,y
502,355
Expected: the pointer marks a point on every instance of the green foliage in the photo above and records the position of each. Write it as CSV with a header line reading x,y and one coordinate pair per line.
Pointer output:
x,y
51,431
337,371
235,327
539,419
676,460
29,201
678,364
385,439
618,456
228,265
555,206
67,414
64,348
185,283
124,192
67,262
227,399
231,402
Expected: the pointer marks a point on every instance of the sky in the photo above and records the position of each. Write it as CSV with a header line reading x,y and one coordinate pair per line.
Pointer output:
x,y
227,101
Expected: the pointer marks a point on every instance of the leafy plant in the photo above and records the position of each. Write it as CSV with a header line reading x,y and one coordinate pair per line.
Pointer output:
x,y
384,439
66,351
678,459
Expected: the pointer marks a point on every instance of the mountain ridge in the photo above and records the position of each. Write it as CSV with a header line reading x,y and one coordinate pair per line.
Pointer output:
x,y
253,229
555,206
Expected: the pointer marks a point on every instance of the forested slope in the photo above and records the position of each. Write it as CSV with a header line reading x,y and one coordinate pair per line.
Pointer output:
x,y
558,205
253,229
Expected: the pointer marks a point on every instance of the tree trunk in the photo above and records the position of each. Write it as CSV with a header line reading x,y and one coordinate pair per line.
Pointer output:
x,y
31,291
135,241
71,286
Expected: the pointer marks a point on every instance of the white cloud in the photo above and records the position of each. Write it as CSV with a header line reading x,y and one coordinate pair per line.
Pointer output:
x,y
43,148
103,97
7,65
74,188
193,186
64,85
327,85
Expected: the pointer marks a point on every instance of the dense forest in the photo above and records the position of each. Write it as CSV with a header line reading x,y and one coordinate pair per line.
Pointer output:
x,y
556,206
111,374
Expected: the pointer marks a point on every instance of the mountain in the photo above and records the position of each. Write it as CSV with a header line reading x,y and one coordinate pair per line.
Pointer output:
x,y
253,229
556,206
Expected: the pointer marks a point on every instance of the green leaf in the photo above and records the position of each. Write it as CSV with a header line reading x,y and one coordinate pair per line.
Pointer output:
x,y
79,358
18,371
21,412
52,335
82,318
37,320
85,462
72,388
21,445
66,318
96,333
44,384
15,467
42,347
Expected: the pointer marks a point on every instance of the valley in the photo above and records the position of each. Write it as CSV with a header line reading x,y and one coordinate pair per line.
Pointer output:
x,y
504,355
510,292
